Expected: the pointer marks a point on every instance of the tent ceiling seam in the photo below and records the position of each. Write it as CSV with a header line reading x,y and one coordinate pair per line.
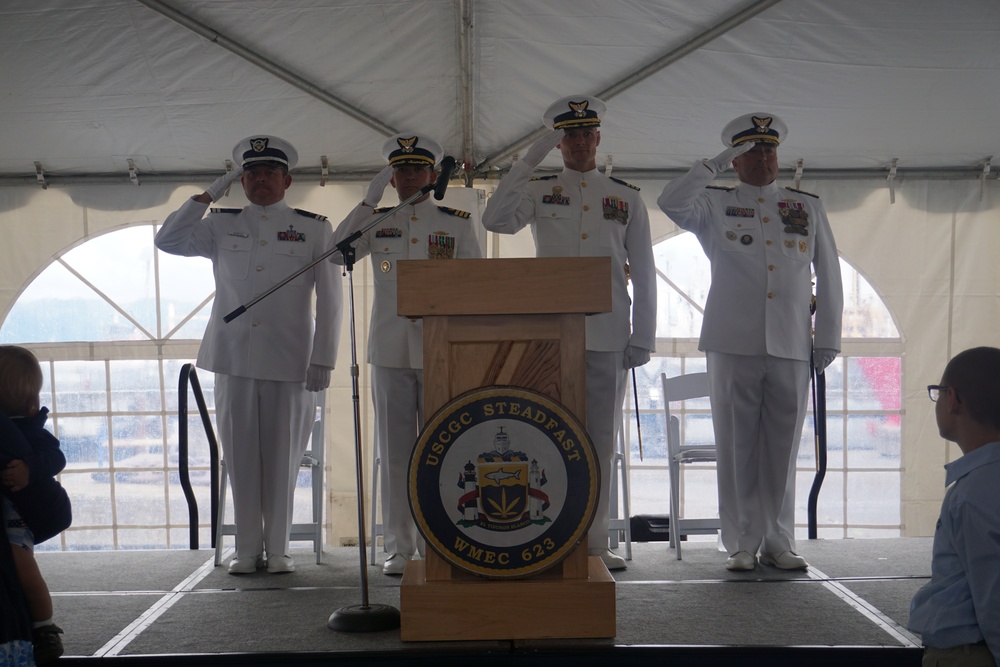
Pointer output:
x,y
642,73
270,66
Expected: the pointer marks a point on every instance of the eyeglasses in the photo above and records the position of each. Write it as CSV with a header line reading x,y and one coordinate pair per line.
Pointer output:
x,y
934,391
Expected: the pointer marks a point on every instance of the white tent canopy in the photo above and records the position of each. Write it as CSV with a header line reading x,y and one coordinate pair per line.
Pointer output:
x,y
171,85
116,111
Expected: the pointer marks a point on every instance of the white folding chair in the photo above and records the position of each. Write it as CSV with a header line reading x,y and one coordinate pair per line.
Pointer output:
x,y
312,459
682,388
619,528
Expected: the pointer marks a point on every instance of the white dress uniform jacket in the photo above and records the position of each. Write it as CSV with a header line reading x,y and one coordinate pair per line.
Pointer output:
x,y
763,243
587,214
251,250
419,231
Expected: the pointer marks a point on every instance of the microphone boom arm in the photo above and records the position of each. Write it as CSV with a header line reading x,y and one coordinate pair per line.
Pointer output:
x,y
345,248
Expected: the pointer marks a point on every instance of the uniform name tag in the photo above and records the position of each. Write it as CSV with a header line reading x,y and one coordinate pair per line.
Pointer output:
x,y
388,233
740,212
242,235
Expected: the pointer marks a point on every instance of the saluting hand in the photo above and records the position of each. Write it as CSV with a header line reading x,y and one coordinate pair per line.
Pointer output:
x,y
377,186
723,160
542,147
220,185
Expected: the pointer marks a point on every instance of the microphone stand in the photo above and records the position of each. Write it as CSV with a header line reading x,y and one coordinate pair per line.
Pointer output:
x,y
365,617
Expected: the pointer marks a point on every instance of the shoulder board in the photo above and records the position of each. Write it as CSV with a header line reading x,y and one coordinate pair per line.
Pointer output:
x,y
727,188
454,211
233,211
803,192
383,209
544,178
309,214
621,182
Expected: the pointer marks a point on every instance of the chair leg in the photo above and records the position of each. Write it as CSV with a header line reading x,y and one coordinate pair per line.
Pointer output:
x,y
376,527
221,517
675,520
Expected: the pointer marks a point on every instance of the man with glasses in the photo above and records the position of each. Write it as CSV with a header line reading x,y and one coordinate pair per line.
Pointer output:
x,y
267,361
763,242
956,613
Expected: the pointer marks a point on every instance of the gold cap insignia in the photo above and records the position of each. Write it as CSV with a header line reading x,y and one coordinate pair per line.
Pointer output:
x,y
407,144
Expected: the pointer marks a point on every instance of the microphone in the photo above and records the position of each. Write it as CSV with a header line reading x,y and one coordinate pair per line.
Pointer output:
x,y
447,167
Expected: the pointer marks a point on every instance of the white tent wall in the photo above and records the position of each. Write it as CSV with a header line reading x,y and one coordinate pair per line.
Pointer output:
x,y
931,256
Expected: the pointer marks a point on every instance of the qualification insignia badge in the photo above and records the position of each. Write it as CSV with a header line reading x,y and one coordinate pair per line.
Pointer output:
x,y
503,482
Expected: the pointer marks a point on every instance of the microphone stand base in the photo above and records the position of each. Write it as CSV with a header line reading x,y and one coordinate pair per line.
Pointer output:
x,y
364,618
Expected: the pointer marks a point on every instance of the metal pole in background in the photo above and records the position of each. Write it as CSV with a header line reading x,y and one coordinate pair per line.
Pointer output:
x,y
819,430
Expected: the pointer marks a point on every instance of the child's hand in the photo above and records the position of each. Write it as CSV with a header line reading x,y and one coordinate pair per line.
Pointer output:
x,y
15,475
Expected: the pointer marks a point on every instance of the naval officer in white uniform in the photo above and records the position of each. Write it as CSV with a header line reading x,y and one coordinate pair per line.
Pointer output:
x,y
580,212
763,242
267,361
420,230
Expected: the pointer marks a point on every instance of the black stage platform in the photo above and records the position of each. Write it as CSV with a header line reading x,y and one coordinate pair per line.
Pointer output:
x,y
175,608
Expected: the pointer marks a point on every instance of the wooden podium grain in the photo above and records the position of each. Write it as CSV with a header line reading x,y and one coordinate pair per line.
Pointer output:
x,y
515,322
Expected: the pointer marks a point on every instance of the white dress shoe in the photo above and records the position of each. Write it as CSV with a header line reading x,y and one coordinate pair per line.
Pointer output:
x,y
610,559
786,560
246,564
741,561
394,564
280,564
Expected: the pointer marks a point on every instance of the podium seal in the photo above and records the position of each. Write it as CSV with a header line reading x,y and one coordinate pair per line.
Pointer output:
x,y
503,482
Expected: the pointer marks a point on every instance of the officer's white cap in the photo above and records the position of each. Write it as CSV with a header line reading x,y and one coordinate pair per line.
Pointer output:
x,y
574,111
761,128
264,149
412,148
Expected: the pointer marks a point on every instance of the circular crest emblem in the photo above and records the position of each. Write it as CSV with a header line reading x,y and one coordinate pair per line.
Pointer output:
x,y
503,482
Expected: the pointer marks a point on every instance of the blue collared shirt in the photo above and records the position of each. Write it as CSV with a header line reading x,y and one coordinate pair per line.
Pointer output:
x,y
961,602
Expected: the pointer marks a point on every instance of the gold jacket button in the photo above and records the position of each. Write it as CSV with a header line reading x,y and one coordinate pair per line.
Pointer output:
x,y
583,236
770,295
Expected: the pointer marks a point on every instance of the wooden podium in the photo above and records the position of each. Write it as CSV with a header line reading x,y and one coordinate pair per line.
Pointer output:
x,y
516,322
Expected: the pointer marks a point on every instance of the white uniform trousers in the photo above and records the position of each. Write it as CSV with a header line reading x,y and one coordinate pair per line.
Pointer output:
x,y
264,427
606,381
398,395
758,406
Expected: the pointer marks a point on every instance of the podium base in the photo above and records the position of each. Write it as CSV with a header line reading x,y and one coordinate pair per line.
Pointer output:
x,y
364,618
536,608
